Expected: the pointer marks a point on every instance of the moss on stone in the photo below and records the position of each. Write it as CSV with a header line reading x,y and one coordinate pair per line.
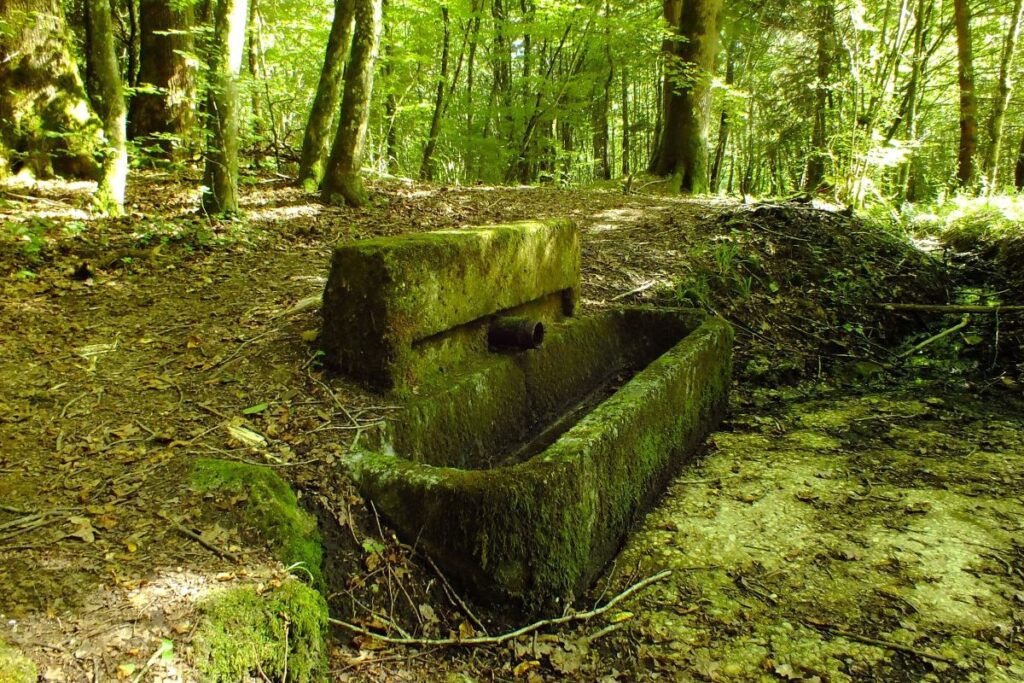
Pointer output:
x,y
279,634
16,667
383,295
270,508
538,532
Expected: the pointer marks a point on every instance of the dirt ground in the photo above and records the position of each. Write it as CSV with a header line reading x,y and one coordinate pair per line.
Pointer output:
x,y
862,526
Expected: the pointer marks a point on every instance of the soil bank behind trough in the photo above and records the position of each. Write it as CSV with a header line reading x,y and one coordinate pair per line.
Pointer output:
x,y
538,532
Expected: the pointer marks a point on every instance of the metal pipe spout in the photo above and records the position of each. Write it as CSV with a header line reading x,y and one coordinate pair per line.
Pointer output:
x,y
519,334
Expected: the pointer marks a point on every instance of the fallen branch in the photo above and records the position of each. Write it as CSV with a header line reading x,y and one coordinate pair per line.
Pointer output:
x,y
877,642
185,531
642,288
947,308
456,597
945,333
511,635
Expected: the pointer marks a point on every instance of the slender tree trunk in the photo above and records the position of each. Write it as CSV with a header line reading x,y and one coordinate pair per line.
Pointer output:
x,y
599,126
390,98
1001,99
968,99
814,174
220,178
342,182
162,113
689,69
723,122
1018,170
908,179
316,141
109,103
252,60
427,170
627,134
133,47
46,124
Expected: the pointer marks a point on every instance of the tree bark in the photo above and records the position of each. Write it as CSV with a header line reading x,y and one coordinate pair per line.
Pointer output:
x,y
220,194
316,141
342,183
109,103
627,148
427,170
1018,171
689,68
1001,99
46,124
968,99
723,122
814,174
162,113
599,126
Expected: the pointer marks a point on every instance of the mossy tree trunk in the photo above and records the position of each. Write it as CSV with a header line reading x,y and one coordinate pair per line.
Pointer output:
x,y
162,113
342,183
966,172
316,141
689,68
46,124
108,100
1001,98
220,195
814,173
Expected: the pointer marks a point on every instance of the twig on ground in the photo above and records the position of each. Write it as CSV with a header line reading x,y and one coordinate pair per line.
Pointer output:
x,y
511,635
185,531
947,308
456,597
637,290
888,644
934,338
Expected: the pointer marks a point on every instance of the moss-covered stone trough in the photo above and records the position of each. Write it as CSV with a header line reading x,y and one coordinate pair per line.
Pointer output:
x,y
536,525
521,469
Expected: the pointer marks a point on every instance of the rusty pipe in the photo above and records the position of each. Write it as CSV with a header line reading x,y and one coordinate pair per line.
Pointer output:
x,y
520,334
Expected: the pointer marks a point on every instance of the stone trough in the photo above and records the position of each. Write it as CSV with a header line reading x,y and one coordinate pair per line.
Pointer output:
x,y
530,438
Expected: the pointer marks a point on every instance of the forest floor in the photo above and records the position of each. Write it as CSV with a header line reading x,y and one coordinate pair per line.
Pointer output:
x,y
857,517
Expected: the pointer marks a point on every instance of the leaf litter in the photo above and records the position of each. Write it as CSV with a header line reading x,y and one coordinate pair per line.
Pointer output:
x,y
135,346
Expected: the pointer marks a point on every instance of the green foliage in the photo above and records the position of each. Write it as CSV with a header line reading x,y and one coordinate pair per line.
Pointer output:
x,y
16,667
279,634
270,507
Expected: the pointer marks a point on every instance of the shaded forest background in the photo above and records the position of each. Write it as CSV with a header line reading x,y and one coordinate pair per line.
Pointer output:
x,y
871,103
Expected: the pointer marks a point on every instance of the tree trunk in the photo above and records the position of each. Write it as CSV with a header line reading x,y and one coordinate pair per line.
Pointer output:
x,y
46,125
909,179
162,114
109,103
599,126
427,170
626,132
814,174
1001,99
220,195
689,69
342,182
252,60
723,122
1018,171
968,98
316,141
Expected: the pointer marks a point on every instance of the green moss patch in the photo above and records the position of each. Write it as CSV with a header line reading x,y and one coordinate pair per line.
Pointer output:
x,y
279,635
270,507
16,667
